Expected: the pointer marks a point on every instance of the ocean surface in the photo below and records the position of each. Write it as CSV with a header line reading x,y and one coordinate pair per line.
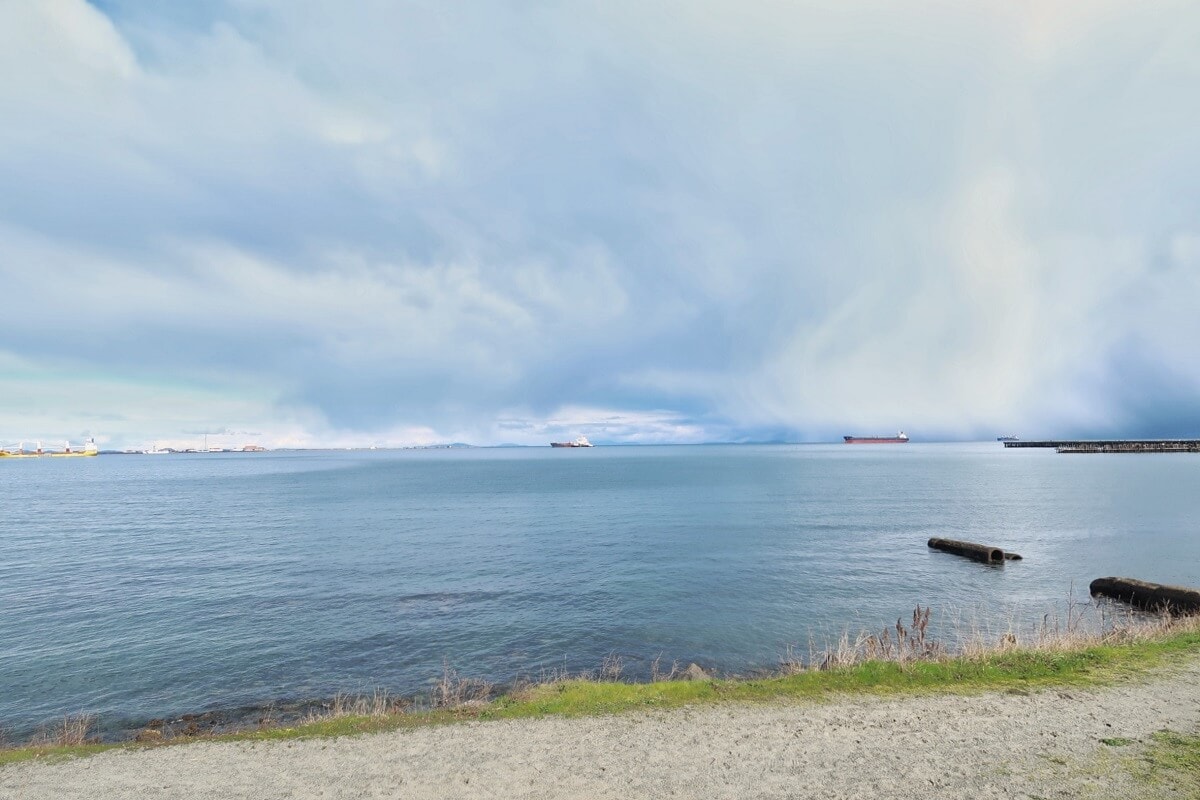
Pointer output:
x,y
136,587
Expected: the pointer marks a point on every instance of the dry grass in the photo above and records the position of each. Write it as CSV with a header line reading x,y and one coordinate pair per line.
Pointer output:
x,y
454,691
451,691
72,730
1082,626
897,644
377,703
611,668
656,673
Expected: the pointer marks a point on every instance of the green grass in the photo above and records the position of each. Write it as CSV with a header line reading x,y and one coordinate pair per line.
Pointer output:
x,y
1163,766
1014,670
1170,766
54,752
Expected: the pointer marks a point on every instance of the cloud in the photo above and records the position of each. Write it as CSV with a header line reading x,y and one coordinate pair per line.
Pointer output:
x,y
697,222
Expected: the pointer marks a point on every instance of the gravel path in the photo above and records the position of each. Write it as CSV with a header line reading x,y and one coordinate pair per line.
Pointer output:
x,y
1045,744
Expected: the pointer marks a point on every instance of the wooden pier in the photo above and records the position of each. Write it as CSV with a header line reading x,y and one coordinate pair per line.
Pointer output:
x,y
1116,445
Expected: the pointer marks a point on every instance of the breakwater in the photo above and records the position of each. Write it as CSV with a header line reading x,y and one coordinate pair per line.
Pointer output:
x,y
1115,445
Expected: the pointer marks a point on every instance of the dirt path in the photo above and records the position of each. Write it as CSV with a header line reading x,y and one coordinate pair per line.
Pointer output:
x,y
1041,745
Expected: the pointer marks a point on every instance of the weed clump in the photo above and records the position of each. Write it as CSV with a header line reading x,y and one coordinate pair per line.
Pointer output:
x,y
453,691
73,730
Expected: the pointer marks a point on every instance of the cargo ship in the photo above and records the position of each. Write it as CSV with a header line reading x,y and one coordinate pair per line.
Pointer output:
x,y
899,438
89,449
580,442
1007,439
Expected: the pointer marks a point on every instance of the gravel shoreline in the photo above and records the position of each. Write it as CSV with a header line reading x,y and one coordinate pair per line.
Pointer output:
x,y
1045,744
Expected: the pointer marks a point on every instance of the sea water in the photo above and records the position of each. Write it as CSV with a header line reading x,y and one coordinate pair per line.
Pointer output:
x,y
135,587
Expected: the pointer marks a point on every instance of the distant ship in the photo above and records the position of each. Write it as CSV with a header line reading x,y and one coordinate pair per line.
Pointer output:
x,y
899,438
20,452
1007,439
580,442
89,449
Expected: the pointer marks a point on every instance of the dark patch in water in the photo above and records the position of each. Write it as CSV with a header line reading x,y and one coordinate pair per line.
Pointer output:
x,y
450,597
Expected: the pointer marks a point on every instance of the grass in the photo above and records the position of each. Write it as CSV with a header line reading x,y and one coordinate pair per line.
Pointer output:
x,y
903,662
65,738
71,731
1163,766
1170,765
1012,669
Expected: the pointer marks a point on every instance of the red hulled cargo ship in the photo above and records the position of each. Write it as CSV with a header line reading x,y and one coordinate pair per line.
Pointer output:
x,y
899,438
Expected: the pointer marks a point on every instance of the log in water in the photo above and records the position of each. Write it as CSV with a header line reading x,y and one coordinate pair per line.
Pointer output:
x,y
1153,596
979,552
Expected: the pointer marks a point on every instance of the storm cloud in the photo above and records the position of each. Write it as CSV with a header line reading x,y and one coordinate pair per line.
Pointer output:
x,y
500,222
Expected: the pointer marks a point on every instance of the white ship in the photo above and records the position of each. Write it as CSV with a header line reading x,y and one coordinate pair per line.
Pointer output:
x,y
580,442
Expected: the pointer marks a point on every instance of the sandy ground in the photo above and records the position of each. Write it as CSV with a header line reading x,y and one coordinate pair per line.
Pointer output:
x,y
1041,745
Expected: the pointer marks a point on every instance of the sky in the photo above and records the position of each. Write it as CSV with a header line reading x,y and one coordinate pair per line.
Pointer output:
x,y
304,223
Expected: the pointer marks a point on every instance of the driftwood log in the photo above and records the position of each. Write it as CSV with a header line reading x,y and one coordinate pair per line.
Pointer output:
x,y
979,552
1154,596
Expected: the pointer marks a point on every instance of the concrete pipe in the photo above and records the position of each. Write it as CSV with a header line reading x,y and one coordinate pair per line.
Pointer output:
x,y
979,552
1153,596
